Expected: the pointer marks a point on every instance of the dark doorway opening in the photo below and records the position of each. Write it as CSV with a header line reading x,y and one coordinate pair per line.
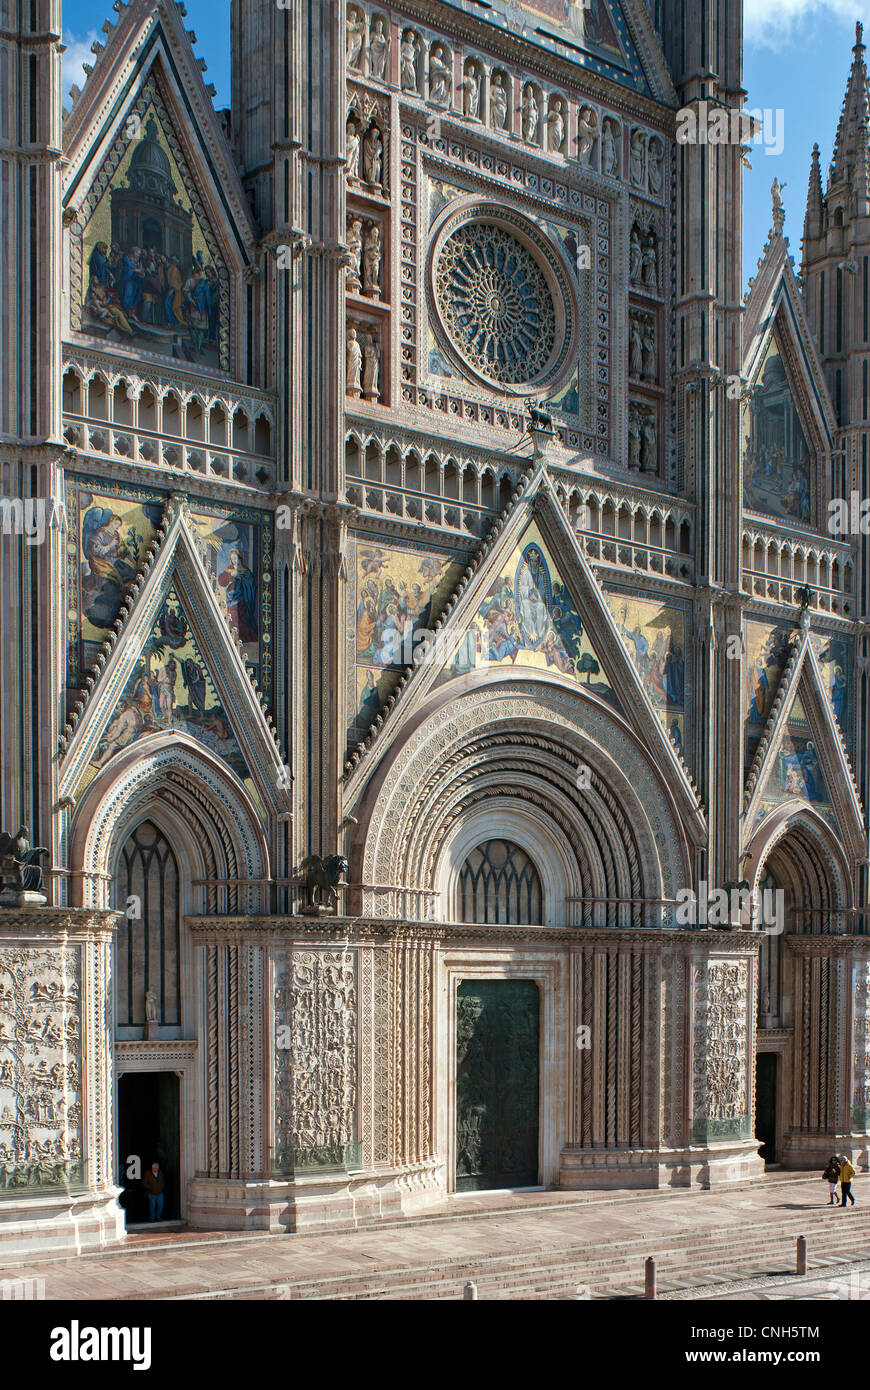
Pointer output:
x,y
497,1084
766,1079
148,1131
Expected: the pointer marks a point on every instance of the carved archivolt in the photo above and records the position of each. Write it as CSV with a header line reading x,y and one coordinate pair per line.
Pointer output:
x,y
504,740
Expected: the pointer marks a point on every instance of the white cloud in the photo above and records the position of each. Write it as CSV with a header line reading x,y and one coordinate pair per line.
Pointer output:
x,y
78,52
774,22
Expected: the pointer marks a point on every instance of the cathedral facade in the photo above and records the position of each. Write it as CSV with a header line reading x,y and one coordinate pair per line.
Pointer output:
x,y
434,657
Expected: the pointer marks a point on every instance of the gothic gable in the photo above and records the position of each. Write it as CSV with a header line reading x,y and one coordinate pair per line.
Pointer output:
x,y
801,758
176,668
528,603
159,233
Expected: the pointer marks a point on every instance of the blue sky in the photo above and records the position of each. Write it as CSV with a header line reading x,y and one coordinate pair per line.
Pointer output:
x,y
796,63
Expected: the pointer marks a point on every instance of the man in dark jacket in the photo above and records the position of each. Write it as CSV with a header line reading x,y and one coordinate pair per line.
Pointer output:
x,y
831,1176
154,1184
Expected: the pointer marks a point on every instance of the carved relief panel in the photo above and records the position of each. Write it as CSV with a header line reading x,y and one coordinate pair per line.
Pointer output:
x,y
721,1098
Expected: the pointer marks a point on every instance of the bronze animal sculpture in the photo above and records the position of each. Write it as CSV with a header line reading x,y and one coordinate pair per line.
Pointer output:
x,y
19,860
320,877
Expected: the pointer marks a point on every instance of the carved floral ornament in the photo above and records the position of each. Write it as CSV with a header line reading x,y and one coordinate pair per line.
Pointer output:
x,y
502,300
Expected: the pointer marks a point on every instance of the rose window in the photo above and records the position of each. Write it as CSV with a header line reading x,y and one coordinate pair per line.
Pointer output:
x,y
495,304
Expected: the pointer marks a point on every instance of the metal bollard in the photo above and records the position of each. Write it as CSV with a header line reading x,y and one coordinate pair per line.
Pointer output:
x,y
649,1277
470,1290
801,1255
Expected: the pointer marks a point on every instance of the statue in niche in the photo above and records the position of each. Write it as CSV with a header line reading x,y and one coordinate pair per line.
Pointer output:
x,y
373,155
530,115
439,75
635,354
379,42
633,439
371,261
649,351
636,256
637,159
408,62
354,247
609,149
556,126
498,102
352,143
353,368
649,451
587,130
151,1015
356,34
371,370
651,261
471,92
656,164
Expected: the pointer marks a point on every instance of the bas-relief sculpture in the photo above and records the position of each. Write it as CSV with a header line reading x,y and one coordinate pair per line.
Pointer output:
x,y
720,1090
40,1068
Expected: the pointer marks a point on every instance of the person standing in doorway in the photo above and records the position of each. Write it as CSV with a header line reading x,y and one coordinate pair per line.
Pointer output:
x,y
831,1176
154,1184
847,1173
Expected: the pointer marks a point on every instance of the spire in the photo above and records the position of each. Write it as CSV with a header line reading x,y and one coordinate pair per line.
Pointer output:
x,y
853,118
813,220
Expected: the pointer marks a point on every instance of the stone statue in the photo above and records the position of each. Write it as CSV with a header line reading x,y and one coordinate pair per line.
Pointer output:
x,y
649,454
354,363
651,261
649,351
656,161
498,102
352,147
609,149
778,207
471,91
439,75
151,1007
356,33
354,247
633,440
373,156
635,354
379,43
556,126
320,878
371,261
636,256
20,870
637,159
408,63
530,115
587,130
371,370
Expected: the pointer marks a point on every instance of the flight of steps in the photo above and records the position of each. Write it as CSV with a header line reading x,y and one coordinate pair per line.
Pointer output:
x,y
698,1257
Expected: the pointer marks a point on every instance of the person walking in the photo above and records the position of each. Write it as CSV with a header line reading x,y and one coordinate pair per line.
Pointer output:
x,y
847,1173
831,1176
154,1184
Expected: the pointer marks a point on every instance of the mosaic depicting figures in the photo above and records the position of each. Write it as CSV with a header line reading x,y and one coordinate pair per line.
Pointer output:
x,y
586,21
395,595
835,663
767,651
114,532
151,277
798,771
171,688
655,638
778,471
529,617
40,1069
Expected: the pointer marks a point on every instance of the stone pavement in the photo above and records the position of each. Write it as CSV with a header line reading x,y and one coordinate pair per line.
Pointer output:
x,y
522,1245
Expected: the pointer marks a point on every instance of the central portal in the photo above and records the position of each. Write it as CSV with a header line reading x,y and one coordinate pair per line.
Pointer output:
x,y
497,1084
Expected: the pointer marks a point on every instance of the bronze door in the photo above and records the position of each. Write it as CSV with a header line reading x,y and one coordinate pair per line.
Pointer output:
x,y
497,1084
